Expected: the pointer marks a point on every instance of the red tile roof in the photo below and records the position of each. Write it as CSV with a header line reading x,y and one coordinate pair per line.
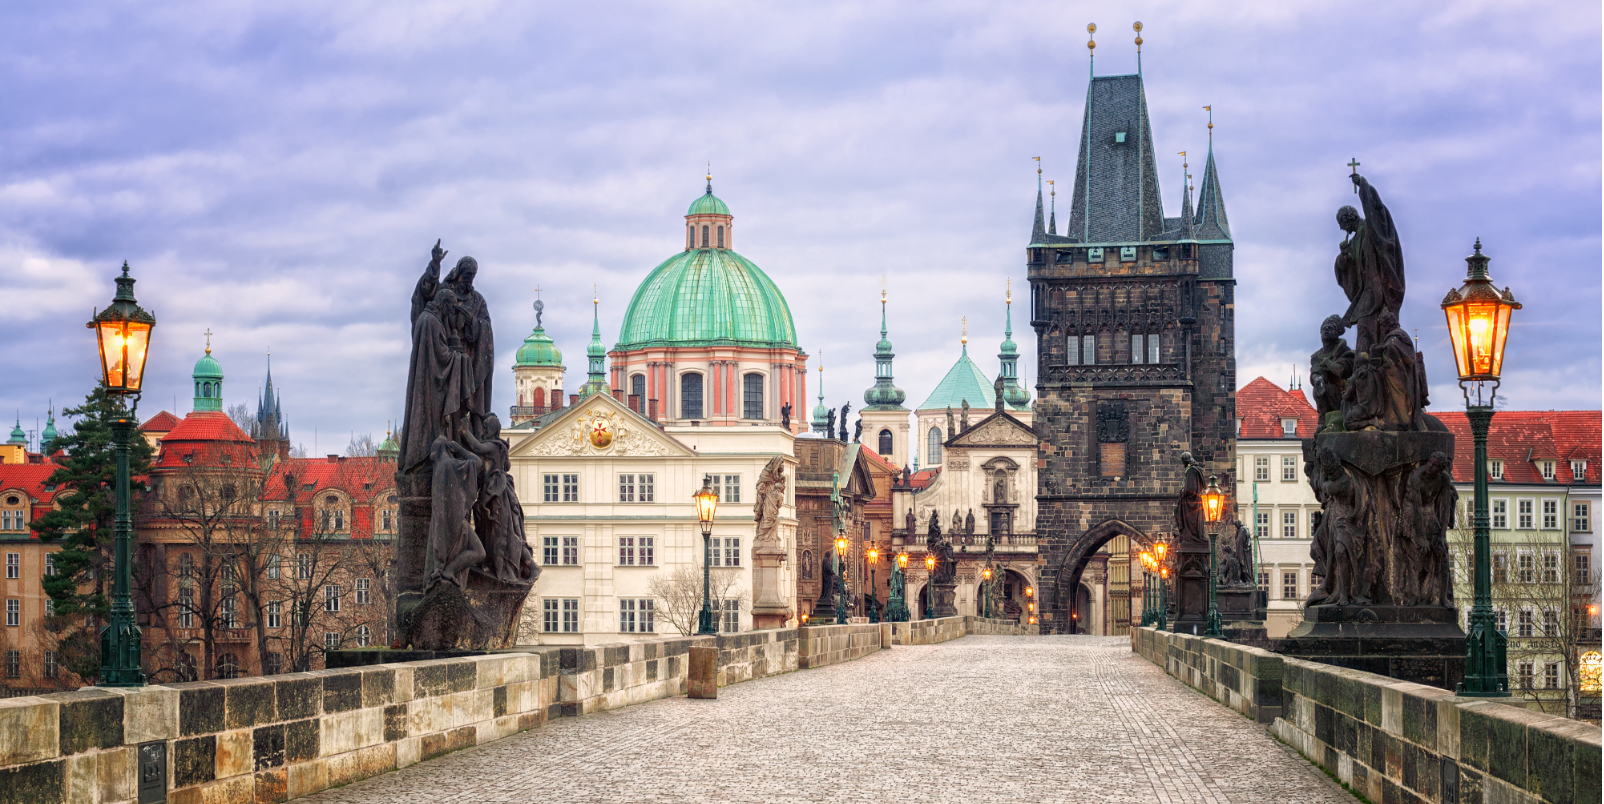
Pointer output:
x,y
29,478
923,478
162,422
875,457
207,438
1261,405
1520,438
365,480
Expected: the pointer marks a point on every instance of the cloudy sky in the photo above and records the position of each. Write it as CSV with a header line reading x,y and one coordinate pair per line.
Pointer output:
x,y
277,172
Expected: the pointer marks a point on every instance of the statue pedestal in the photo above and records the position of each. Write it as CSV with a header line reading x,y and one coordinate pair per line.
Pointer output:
x,y
946,595
1242,613
1191,594
1423,644
770,609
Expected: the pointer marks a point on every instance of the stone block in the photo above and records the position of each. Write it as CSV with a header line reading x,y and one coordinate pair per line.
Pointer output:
x,y
116,770
370,761
348,731
30,730
234,753
462,675
1551,759
342,690
702,681
34,783
395,722
194,761
249,702
89,718
83,780
408,751
149,713
378,687
403,690
272,786
429,679
299,696
200,708
267,747
302,739
307,778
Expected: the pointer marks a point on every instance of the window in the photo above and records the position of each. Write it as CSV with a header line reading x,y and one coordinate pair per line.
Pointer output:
x,y
1289,428
550,488
724,552
1496,470
1582,564
13,664
270,567
362,585
227,614
648,550
1527,568
721,237
1581,519
13,565
1289,524
637,389
1578,471
364,636
1550,623
1523,675
571,551
13,612
727,612
387,520
1137,350
626,551
331,598
1072,350
1289,468
50,607
560,615
272,664
560,488
1523,514
690,396
331,640
752,396
1501,514
1501,620
1261,468
1523,623
933,449
186,607
548,550
637,488
885,443
275,615
1289,585
626,488
50,565
636,616
1088,348
1261,526
52,664
1546,469
1551,568
731,489
1500,568
303,567
1152,347
704,237
272,519
1551,675
1550,514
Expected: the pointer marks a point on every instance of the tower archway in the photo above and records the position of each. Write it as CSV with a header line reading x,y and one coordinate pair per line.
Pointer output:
x,y
1067,602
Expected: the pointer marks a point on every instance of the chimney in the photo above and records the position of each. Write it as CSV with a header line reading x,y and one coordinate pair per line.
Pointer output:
x,y
573,399
556,401
634,402
334,458
618,394
651,409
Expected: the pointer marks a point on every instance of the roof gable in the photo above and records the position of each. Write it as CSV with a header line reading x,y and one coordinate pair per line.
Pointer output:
x,y
622,433
1261,405
997,430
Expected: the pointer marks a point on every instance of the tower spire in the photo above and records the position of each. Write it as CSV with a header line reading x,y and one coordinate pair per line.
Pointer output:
x,y
1211,221
1138,29
1039,231
597,382
1008,357
1052,222
884,395
1091,49
821,414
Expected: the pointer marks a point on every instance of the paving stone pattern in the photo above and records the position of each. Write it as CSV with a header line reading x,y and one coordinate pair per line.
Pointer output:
x,y
1014,719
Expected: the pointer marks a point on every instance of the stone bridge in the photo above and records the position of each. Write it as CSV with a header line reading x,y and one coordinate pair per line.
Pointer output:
x,y
958,709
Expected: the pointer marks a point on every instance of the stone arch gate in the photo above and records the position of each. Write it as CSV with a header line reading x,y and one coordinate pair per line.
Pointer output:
x,y
1064,602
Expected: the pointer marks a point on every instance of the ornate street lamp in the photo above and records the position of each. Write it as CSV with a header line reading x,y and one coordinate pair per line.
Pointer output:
x,y
706,505
873,555
897,603
930,586
841,580
986,574
1161,562
1146,559
1478,323
1213,506
123,333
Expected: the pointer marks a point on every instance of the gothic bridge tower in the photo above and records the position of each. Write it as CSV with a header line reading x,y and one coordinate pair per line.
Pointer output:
x,y
1136,350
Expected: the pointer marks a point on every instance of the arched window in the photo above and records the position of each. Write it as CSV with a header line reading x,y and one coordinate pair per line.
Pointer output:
x,y
751,393
721,237
885,442
206,390
540,397
933,450
197,388
637,389
690,235
1152,347
1138,347
704,237
690,392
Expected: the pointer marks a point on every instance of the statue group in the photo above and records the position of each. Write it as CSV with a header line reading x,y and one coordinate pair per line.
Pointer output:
x,y
463,564
1380,466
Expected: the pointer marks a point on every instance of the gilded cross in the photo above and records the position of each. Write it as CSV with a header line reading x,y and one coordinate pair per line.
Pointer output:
x,y
1353,165
208,340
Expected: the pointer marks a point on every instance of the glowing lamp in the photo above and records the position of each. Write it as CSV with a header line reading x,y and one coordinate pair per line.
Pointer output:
x,y
1213,500
1029,592
123,332
841,545
706,505
902,560
804,619
1161,547
986,573
1478,322
874,555
930,563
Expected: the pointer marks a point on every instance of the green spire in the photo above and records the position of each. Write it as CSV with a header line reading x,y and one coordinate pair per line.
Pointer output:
x,y
597,384
821,414
388,449
18,436
1013,394
49,434
208,377
884,395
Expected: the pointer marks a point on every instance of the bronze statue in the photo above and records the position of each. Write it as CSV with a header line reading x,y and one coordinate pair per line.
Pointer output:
x,y
785,415
1330,368
1369,265
1189,507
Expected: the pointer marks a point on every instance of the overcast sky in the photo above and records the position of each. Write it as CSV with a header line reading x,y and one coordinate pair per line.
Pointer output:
x,y
277,172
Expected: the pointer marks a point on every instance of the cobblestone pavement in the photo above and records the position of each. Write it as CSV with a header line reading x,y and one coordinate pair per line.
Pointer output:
x,y
979,719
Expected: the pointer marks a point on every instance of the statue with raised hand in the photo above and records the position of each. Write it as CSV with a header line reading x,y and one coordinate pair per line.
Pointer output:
x,y
1369,264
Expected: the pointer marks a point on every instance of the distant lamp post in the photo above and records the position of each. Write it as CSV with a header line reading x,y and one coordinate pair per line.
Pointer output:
x,y
1161,564
1213,506
122,332
841,580
873,554
706,506
986,591
1478,323
930,586
897,603
1146,559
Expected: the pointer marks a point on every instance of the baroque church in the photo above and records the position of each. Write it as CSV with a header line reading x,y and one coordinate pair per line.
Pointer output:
x,y
1133,312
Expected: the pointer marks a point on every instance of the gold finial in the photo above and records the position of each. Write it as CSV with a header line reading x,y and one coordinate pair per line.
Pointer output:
x,y
595,293
965,338
1091,40
710,170
1210,110
882,288
1138,28
1053,191
1010,297
208,340
1038,164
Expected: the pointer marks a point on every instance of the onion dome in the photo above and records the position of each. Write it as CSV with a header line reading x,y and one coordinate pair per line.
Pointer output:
x,y
708,204
388,449
208,377
50,434
884,395
17,434
539,350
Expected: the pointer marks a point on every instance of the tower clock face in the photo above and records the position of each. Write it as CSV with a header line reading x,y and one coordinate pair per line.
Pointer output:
x,y
601,433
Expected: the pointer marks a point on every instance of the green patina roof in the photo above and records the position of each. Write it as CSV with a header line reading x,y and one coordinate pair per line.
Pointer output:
x,y
707,296
17,435
964,381
207,368
539,350
708,204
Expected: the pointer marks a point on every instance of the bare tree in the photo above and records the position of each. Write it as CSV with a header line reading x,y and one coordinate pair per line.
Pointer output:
x,y
362,446
680,594
241,415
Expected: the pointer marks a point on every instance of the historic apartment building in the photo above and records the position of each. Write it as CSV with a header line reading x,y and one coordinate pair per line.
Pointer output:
x,y
1133,313
1273,495
29,659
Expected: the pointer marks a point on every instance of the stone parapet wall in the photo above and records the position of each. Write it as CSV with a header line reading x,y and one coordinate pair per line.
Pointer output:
x,y
822,645
1394,740
1244,678
981,626
601,677
756,654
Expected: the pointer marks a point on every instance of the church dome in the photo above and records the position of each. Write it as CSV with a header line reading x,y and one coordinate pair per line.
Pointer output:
x,y
708,204
705,297
539,350
207,368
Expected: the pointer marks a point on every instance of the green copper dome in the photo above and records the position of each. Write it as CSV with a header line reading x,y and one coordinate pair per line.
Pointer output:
x,y
17,435
708,204
389,449
539,350
207,368
208,376
707,296
49,435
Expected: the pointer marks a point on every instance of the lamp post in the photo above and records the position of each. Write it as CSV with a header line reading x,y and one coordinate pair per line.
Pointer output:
x,y
1213,505
930,586
1030,604
122,332
897,604
1161,565
841,580
1478,323
1146,559
986,591
706,505
874,591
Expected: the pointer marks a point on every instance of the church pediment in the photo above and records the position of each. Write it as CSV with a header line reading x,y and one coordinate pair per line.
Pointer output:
x,y
600,426
996,430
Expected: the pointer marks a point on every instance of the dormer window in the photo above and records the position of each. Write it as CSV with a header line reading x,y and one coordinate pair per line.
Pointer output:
x,y
1578,471
1496,470
1289,428
1546,468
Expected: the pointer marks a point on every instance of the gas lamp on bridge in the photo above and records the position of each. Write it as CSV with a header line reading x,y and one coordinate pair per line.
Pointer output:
x,y
1213,506
706,506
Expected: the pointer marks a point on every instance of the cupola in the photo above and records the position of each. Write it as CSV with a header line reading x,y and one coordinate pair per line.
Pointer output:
x,y
708,223
208,377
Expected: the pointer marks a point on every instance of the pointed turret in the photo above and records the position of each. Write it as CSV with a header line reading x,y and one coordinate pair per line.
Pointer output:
x,y
1008,358
597,383
18,435
271,430
1052,215
1038,233
884,395
208,377
1211,223
50,434
821,414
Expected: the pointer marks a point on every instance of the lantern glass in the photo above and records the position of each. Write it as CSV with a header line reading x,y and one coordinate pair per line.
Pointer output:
x,y
123,347
1213,501
986,573
1478,330
706,504
841,545
1161,547
902,560
930,562
1029,592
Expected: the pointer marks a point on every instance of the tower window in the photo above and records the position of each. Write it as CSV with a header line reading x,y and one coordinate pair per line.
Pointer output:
x,y
752,390
1137,350
885,443
690,235
1088,350
690,389
933,451
721,237
704,237
1152,347
637,389
1072,350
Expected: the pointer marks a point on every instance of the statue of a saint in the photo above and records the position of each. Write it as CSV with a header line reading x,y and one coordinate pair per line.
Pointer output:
x,y
969,522
1330,368
439,380
498,517
1370,265
454,546
1189,507
785,415
1430,500
770,496
829,426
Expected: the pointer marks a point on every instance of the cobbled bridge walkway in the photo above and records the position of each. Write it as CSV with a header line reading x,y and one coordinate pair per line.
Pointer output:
x,y
979,719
